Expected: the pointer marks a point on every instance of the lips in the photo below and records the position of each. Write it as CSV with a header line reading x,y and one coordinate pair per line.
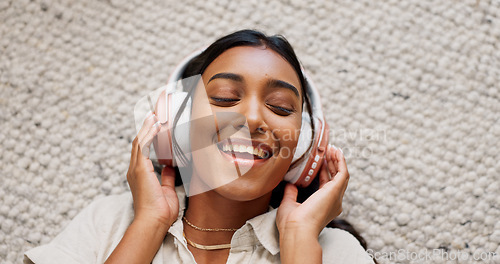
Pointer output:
x,y
243,151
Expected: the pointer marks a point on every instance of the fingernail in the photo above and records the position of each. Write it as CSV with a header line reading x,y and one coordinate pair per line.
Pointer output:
x,y
341,151
157,124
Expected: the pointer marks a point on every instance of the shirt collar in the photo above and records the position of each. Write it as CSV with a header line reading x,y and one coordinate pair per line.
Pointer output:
x,y
264,227
260,229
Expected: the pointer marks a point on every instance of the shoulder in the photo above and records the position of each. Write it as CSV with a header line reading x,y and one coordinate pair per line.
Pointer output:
x,y
339,246
105,218
106,211
113,205
91,235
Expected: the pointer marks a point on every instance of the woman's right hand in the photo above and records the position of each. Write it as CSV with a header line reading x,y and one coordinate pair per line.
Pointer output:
x,y
156,206
153,202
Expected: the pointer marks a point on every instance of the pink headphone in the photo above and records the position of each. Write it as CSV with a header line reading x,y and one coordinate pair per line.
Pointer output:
x,y
311,145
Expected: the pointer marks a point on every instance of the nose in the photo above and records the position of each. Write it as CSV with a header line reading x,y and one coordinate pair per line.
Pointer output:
x,y
254,113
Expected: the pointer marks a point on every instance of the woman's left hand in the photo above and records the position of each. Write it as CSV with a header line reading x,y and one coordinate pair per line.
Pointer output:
x,y
321,207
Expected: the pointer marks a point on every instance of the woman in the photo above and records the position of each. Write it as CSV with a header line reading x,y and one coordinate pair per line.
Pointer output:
x,y
260,78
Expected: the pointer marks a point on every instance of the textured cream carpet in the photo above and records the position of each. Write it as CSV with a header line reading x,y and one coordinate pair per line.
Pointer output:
x,y
411,90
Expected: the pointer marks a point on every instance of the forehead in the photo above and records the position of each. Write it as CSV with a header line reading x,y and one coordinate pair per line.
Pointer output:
x,y
253,62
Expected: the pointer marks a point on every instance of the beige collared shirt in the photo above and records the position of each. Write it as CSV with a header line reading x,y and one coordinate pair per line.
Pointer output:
x,y
95,232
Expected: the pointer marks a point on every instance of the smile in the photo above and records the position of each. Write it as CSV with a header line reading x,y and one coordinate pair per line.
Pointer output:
x,y
245,152
249,150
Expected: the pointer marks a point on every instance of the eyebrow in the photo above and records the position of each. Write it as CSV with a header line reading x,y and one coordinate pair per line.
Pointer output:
x,y
270,83
227,75
283,84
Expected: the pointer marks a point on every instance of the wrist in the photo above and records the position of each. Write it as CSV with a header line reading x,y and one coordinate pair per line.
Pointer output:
x,y
300,245
298,233
294,229
150,224
140,242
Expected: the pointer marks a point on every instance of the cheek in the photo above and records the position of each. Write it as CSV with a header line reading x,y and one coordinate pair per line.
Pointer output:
x,y
202,125
200,104
287,132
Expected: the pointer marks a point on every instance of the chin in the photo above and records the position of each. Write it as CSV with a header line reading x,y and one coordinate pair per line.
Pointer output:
x,y
243,190
256,183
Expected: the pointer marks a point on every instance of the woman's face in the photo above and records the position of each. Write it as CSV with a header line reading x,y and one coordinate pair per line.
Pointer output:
x,y
256,97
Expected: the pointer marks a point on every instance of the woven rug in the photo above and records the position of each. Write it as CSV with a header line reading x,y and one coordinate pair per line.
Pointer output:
x,y
411,91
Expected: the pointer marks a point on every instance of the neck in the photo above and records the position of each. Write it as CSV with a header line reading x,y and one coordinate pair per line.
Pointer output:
x,y
212,210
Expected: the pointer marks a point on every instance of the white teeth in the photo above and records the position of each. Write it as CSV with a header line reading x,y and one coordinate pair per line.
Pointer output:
x,y
244,149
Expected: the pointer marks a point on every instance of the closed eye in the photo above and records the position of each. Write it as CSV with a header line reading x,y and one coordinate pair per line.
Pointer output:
x,y
224,100
281,110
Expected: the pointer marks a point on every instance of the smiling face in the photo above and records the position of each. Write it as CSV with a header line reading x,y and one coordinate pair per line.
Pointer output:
x,y
257,99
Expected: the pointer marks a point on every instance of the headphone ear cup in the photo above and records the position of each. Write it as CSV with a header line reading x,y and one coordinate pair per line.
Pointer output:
x,y
305,137
303,172
163,139
303,143
181,131
167,107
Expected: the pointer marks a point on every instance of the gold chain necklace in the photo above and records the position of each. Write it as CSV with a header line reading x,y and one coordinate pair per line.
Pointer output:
x,y
208,229
206,247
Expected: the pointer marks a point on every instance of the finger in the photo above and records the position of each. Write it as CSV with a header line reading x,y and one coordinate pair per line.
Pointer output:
x,y
341,163
148,139
290,193
142,161
331,160
148,123
168,177
133,153
324,175
342,176
336,159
